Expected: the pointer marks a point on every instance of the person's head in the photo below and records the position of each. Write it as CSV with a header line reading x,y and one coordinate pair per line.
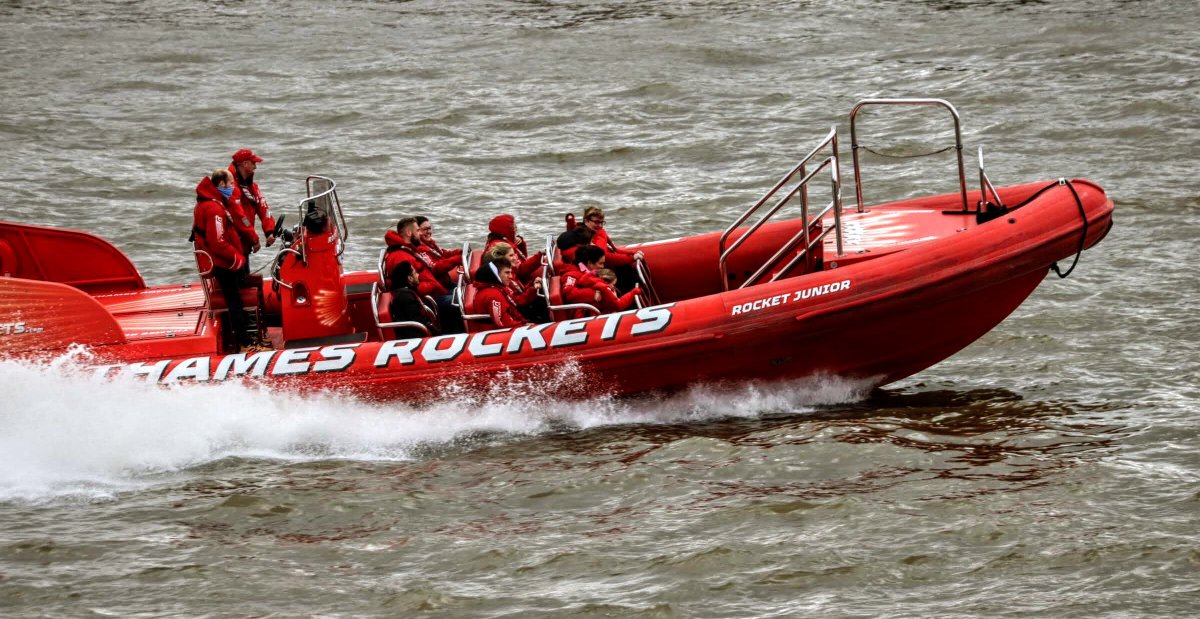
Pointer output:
x,y
424,228
593,218
503,225
503,271
221,177
579,235
500,251
608,275
403,276
246,162
223,181
494,272
407,229
590,256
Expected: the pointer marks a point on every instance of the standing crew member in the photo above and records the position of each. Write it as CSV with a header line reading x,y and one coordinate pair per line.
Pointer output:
x,y
248,199
214,233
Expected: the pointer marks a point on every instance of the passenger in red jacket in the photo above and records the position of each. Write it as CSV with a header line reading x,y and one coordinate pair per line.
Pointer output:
x,y
503,229
618,259
569,241
443,262
214,234
579,284
401,247
531,304
610,299
493,297
249,202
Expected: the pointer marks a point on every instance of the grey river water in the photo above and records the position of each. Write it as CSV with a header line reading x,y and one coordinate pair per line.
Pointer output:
x,y
1049,470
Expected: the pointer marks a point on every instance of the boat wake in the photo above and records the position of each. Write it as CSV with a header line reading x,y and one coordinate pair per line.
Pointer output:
x,y
67,434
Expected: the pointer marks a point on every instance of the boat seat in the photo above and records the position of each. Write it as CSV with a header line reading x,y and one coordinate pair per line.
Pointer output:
x,y
474,322
214,299
383,316
476,261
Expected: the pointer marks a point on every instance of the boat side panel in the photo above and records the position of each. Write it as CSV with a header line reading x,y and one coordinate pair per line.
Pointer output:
x,y
878,321
44,318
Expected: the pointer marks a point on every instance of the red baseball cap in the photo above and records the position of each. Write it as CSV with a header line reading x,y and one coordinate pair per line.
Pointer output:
x,y
246,155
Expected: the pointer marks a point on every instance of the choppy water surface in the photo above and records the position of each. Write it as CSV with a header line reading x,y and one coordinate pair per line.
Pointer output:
x,y
1050,469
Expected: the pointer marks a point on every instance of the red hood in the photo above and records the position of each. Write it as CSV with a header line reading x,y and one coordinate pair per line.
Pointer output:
x,y
504,225
393,238
206,189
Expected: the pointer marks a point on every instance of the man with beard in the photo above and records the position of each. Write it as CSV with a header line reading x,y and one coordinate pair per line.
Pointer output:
x,y
402,246
248,199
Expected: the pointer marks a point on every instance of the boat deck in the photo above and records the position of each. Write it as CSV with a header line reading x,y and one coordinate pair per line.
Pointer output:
x,y
879,231
150,313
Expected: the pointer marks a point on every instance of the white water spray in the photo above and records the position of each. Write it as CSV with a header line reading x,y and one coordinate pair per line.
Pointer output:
x,y
64,432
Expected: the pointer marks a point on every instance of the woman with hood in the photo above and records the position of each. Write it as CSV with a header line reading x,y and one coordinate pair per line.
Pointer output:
x,y
493,297
503,229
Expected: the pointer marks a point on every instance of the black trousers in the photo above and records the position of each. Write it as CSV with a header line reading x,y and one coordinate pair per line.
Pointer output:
x,y
231,288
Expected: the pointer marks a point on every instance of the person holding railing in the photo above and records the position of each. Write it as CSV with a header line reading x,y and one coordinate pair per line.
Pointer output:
x,y
611,300
579,283
503,229
618,259
247,202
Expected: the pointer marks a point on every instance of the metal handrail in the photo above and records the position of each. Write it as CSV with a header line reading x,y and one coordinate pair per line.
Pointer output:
x,y
985,185
545,294
278,264
457,300
643,274
854,146
466,261
804,233
801,188
338,217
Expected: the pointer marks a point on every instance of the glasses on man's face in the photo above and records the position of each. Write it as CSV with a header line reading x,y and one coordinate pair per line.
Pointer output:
x,y
598,222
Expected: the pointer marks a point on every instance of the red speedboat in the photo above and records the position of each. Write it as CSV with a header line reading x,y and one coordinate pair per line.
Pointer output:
x,y
868,292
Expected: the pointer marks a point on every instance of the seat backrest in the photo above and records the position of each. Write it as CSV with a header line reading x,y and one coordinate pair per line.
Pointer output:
x,y
553,286
383,313
476,261
205,264
474,322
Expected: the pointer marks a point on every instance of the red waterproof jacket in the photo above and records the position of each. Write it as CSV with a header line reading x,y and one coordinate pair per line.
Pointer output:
x,y
614,257
443,264
399,250
212,224
250,202
497,302
610,302
579,286
503,228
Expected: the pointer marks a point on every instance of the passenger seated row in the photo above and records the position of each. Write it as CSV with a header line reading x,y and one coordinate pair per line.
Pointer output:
x,y
429,290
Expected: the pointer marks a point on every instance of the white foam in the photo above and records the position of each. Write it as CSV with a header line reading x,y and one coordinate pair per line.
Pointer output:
x,y
64,432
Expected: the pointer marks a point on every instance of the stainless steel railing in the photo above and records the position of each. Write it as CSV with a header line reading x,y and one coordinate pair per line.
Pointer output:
x,y
832,161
